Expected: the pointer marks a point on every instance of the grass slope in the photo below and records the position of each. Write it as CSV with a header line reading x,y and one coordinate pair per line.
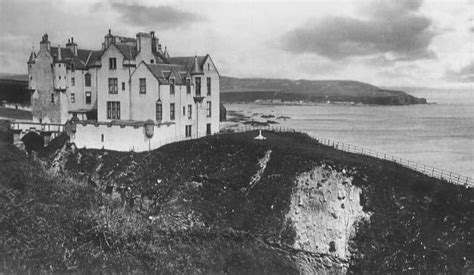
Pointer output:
x,y
208,220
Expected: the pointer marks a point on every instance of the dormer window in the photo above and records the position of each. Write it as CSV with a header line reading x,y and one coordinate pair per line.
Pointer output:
x,y
172,82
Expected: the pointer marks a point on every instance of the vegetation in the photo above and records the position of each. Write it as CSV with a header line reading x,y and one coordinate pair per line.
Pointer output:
x,y
14,89
187,208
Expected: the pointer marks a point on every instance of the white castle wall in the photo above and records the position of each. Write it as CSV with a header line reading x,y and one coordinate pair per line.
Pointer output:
x,y
122,137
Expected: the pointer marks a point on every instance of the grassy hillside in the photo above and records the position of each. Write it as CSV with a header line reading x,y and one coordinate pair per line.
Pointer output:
x,y
250,89
188,207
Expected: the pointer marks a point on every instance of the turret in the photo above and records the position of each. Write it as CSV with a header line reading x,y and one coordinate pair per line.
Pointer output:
x,y
59,72
31,78
195,69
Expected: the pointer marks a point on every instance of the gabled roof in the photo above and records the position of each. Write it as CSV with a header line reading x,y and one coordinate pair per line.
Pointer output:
x,y
162,73
188,61
129,52
82,60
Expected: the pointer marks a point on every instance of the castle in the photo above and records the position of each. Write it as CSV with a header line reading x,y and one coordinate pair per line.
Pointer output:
x,y
131,94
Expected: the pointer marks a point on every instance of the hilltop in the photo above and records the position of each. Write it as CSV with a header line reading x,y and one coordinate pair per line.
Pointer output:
x,y
13,88
252,89
230,204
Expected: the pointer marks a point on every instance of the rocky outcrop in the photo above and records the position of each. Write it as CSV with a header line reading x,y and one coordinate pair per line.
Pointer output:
x,y
325,207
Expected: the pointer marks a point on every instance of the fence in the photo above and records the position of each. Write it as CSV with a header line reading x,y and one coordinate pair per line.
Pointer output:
x,y
448,176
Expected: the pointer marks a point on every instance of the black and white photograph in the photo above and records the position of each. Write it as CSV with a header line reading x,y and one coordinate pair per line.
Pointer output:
x,y
236,137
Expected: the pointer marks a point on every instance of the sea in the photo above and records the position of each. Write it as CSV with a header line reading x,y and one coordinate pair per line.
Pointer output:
x,y
440,135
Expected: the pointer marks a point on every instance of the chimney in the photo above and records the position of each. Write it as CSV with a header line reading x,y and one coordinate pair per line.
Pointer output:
x,y
59,54
45,45
144,42
108,39
72,46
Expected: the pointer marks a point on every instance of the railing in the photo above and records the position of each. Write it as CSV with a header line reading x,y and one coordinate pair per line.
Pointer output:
x,y
44,127
442,174
448,176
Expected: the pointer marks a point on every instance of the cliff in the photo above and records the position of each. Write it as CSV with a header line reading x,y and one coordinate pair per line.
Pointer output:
x,y
230,204
252,89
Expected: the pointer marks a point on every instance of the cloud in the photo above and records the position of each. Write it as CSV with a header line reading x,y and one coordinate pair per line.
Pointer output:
x,y
465,74
164,16
393,29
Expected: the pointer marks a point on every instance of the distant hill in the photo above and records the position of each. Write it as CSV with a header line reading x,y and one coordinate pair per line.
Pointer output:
x,y
13,88
251,89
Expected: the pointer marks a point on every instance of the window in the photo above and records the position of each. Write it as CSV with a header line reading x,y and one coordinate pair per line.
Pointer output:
x,y
152,61
208,109
190,111
73,98
73,81
208,86
113,110
88,98
172,86
112,63
88,80
123,86
188,86
172,111
102,137
113,85
208,66
198,86
208,129
52,98
159,111
188,130
184,110
142,85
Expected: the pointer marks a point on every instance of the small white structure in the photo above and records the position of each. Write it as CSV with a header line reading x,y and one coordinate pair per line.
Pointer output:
x,y
260,136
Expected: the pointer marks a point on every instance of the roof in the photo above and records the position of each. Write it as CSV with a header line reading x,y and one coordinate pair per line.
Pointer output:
x,y
188,61
82,60
163,72
128,51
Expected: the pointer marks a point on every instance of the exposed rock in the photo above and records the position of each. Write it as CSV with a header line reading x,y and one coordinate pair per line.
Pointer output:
x,y
322,223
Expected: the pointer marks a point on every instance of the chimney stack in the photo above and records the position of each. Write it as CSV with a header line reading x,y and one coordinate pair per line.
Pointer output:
x,y
72,46
45,45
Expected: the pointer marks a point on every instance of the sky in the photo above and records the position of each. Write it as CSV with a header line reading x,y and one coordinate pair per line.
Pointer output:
x,y
426,43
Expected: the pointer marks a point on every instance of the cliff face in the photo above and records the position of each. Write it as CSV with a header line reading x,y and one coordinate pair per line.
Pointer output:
x,y
325,208
232,204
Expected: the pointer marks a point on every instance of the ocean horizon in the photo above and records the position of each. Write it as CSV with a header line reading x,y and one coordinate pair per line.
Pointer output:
x,y
439,135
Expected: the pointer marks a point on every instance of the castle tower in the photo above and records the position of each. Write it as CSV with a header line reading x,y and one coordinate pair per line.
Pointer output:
x,y
59,72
